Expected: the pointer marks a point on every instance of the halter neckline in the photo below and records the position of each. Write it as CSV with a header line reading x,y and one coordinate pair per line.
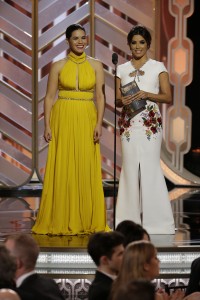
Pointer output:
x,y
77,59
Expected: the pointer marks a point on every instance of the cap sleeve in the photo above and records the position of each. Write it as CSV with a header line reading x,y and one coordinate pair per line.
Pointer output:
x,y
162,68
118,71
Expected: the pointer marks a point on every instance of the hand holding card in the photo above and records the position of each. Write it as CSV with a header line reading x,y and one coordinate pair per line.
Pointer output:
x,y
136,106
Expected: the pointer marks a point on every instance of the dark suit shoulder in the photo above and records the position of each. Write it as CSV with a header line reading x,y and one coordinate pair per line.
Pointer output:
x,y
100,287
40,287
99,276
194,280
196,263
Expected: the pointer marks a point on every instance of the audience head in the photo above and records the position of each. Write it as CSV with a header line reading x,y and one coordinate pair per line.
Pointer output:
x,y
7,268
106,249
140,261
7,294
25,250
132,232
138,289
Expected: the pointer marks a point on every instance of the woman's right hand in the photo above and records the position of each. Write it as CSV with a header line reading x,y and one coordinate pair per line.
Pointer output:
x,y
47,134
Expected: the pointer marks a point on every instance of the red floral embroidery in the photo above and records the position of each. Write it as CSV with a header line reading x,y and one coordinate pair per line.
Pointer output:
x,y
151,113
152,120
124,123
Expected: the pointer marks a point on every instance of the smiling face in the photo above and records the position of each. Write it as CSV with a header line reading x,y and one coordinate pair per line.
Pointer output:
x,y
78,41
138,46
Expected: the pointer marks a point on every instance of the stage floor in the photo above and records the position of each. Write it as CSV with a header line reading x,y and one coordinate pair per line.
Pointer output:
x,y
65,258
18,209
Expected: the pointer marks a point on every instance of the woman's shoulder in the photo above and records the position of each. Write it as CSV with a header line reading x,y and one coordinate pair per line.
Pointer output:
x,y
93,59
122,68
124,65
58,65
155,62
152,63
95,62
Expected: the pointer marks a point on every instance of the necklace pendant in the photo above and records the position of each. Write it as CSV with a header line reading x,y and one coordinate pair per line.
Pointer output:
x,y
141,72
133,74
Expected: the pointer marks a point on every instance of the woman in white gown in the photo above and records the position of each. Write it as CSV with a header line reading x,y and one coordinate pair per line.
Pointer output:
x,y
142,195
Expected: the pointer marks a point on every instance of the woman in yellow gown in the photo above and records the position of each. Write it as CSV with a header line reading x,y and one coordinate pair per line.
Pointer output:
x,y
72,198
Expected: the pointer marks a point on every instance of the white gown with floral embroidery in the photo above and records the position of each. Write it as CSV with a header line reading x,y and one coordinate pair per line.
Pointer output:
x,y
142,195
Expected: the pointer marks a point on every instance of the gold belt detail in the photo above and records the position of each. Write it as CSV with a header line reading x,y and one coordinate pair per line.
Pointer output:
x,y
60,97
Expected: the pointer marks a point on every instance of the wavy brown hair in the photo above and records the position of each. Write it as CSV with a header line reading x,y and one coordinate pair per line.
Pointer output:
x,y
136,255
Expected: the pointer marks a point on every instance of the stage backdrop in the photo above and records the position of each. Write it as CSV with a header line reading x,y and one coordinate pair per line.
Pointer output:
x,y
32,36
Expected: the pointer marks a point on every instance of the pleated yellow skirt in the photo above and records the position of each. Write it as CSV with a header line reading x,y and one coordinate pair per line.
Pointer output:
x,y
72,199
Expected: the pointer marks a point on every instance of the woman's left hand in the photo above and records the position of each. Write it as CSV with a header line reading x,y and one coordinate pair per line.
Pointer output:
x,y
97,133
140,95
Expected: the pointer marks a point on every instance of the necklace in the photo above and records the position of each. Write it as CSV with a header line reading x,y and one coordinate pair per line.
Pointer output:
x,y
137,72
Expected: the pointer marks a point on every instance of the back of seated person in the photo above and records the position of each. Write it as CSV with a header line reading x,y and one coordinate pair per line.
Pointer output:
x,y
136,290
29,284
8,294
7,269
132,232
106,249
194,280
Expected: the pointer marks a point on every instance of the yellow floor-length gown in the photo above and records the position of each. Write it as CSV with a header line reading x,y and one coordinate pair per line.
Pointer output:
x,y
72,199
